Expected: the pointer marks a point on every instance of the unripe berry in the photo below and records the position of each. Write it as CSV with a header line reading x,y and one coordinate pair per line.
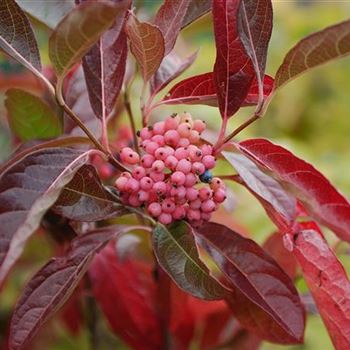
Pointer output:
x,y
204,193
132,185
178,178
205,216
147,160
191,180
155,209
146,183
151,147
194,136
179,213
171,162
184,130
155,176
184,166
178,192
208,206
209,161
169,150
168,206
146,133
217,183
161,153
139,172
183,142
120,183
193,214
158,166
171,123
158,128
207,150
219,195
143,196
195,154
181,153
126,174
165,218
186,118
198,168
171,138
160,187
199,125
159,139
134,200
196,204
192,194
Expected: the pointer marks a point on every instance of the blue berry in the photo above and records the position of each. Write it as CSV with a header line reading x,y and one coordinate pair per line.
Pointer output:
x,y
206,177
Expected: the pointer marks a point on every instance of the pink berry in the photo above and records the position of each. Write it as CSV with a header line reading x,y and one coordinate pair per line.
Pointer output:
x,y
178,192
205,216
209,161
146,183
147,160
171,123
204,193
161,153
191,180
165,218
170,151
196,204
178,178
199,125
159,128
181,153
151,147
179,213
158,166
184,166
139,172
146,134
216,183
126,174
171,162
219,195
193,214
192,194
120,183
194,136
198,168
186,118
132,185
155,209
195,154
208,206
171,138
155,176
184,130
183,142
124,198
134,200
159,139
207,150
168,206
160,187
143,196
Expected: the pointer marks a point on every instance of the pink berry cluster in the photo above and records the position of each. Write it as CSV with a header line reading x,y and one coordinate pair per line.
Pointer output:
x,y
172,178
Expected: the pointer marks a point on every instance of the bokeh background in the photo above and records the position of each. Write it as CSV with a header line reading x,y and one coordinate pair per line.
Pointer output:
x,y
310,116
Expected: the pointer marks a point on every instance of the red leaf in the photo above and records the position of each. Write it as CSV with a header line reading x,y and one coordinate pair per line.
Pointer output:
x,y
327,281
316,193
259,281
53,284
126,292
200,89
242,32
172,66
72,314
104,65
27,190
169,19
195,10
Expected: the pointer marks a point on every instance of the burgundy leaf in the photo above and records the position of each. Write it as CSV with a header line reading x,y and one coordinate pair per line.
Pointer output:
x,y
146,44
169,19
51,286
264,187
327,281
195,10
171,67
200,89
126,293
255,27
27,190
104,65
314,50
85,199
16,36
233,69
315,192
244,340
257,277
47,12
177,254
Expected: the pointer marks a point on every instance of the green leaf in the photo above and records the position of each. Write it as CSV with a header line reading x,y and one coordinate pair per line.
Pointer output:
x,y
176,251
30,117
78,32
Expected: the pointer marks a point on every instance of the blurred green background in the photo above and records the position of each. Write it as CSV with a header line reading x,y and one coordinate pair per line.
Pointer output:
x,y
310,116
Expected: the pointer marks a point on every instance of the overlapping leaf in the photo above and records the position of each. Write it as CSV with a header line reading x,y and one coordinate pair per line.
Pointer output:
x,y
327,281
260,282
195,10
177,254
85,199
171,67
30,117
104,65
316,193
169,19
53,284
146,44
17,37
47,12
27,190
200,89
314,50
78,32
264,187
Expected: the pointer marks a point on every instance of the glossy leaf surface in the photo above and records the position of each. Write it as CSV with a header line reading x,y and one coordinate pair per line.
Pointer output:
x,y
176,252
30,117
